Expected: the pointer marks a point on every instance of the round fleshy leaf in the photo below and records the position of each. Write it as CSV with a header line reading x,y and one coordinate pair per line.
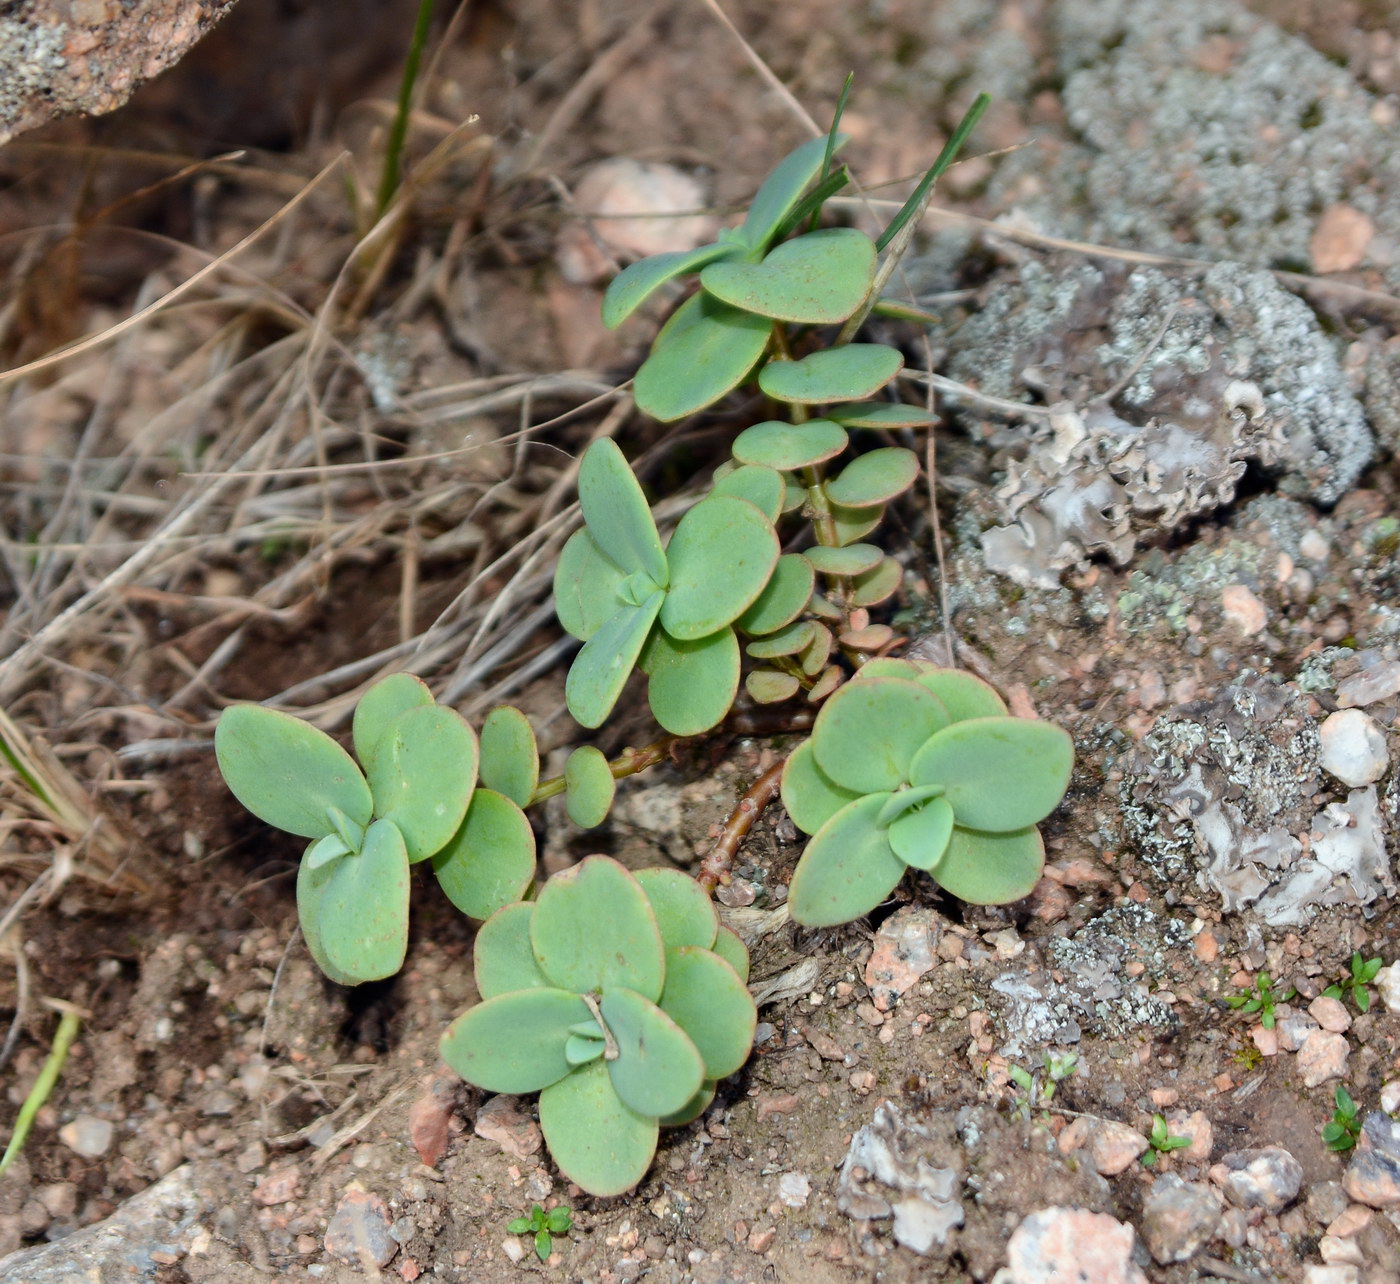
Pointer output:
x,y
963,695
830,679
286,772
867,734
794,493
514,1042
822,608
887,666
693,1108
699,357
920,837
732,950
816,279
832,374
490,860
685,914
590,786
691,685
721,557
594,930
1001,774
818,651
783,446
769,686
581,1049
631,287
657,1069
510,759
782,189
586,586
874,478
878,584
789,641
707,999
501,955
991,869
601,669
783,599
881,414
421,773
324,850
362,908
381,704
847,869
851,559
809,794
854,524
762,487
903,800
617,513
311,884
599,1144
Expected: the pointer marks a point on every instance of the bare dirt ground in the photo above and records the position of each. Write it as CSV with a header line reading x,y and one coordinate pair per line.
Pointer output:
x,y
334,452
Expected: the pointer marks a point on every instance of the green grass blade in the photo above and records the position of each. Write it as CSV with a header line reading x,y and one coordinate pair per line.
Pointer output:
x,y
68,1027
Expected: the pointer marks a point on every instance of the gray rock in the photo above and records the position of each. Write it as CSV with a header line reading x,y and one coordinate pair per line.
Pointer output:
x,y
359,1230
1373,1177
87,1135
1269,1178
1178,1218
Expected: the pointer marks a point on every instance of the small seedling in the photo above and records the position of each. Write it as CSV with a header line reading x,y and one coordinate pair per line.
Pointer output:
x,y
1160,1141
1356,984
1261,997
617,997
543,1226
1343,1129
1058,1067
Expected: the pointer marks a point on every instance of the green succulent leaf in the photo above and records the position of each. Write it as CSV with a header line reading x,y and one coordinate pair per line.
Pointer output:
x,y
658,1068
587,586
878,584
354,911
684,913
789,641
381,704
349,833
490,861
698,357
510,759
638,282
422,771
991,869
594,930
784,446
706,997
1000,774
601,669
832,374
782,189
963,695
617,513
721,558
770,686
783,599
514,1042
851,559
501,955
816,279
590,786
854,524
874,478
848,867
286,772
691,685
881,414
580,1049
732,950
693,1108
599,1144
906,800
867,734
809,794
818,650
326,849
762,487
920,836
886,666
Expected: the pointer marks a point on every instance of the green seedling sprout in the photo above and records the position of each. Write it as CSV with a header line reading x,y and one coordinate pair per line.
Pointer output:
x,y
1160,1141
69,1023
1357,981
617,997
542,1227
1059,1066
1261,997
1344,1128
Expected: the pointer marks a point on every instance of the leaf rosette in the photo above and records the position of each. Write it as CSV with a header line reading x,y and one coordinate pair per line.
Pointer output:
x,y
912,766
668,611
621,1000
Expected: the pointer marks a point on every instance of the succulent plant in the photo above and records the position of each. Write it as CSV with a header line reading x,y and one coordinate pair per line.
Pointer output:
x,y
417,799
620,999
910,765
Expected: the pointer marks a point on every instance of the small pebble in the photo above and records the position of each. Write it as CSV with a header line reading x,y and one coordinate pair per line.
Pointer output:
x,y
1323,1056
1315,1274
1059,1245
1353,748
1390,1096
1388,987
1269,1178
1370,686
1112,1147
1373,1176
1243,609
87,1135
1330,1013
1178,1218
359,1229
794,1189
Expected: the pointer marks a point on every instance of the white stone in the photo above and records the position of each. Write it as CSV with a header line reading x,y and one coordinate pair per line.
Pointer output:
x,y
1390,1096
1331,1275
1067,1245
1353,748
1388,987
87,1135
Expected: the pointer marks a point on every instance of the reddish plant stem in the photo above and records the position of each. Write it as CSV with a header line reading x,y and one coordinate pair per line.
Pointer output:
x,y
719,860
